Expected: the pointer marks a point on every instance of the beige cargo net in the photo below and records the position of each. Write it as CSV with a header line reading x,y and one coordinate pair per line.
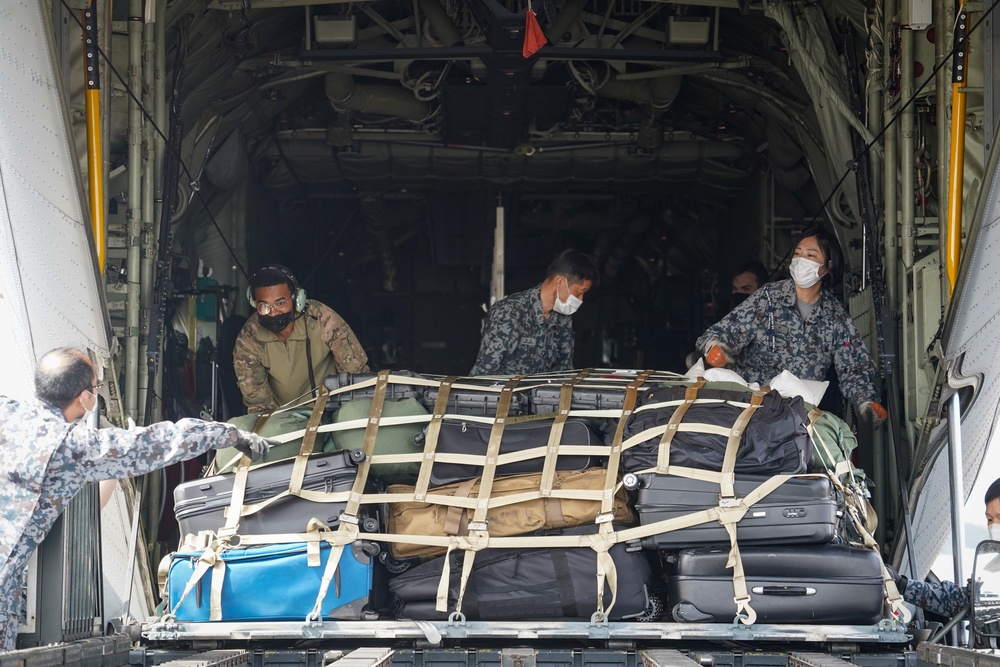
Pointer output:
x,y
469,516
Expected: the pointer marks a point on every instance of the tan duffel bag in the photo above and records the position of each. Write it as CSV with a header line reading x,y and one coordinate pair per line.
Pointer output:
x,y
427,518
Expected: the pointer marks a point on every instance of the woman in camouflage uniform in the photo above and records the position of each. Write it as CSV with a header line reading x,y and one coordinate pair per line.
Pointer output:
x,y
799,326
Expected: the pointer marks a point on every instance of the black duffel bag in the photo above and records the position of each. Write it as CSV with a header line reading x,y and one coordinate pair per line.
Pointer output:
x,y
532,585
774,441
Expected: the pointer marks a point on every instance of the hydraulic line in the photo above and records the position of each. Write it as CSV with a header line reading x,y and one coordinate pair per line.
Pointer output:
x,y
95,153
133,224
953,236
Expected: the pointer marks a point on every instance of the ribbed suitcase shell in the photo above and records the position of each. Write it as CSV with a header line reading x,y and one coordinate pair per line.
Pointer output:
x,y
829,583
800,511
200,504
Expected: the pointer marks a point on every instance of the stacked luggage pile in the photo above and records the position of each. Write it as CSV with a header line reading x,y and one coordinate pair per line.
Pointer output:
x,y
579,496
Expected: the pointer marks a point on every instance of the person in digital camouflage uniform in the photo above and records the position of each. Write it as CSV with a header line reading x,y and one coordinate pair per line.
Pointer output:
x,y
46,458
798,326
947,598
532,331
273,350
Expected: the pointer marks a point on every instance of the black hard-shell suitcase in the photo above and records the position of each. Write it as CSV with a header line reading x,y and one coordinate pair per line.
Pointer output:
x,y
775,440
468,437
462,401
830,583
546,398
803,510
200,504
533,584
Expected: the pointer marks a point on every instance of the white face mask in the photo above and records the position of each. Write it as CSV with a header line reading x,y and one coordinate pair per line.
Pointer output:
x,y
994,530
569,306
90,417
805,272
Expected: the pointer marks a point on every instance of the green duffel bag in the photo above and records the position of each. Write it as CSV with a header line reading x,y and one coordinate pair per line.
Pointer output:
x,y
279,424
833,442
395,439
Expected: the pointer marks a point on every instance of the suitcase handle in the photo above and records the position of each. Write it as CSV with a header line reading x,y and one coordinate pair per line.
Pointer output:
x,y
787,591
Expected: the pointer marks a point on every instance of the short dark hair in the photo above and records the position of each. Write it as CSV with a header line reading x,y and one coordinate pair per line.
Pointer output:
x,y
831,249
758,269
61,375
576,266
993,492
271,275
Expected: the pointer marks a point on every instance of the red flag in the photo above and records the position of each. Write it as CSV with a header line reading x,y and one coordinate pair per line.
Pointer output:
x,y
534,38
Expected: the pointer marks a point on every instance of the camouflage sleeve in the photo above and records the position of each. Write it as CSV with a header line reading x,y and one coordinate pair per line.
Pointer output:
x,y
943,598
739,327
340,338
251,375
854,364
499,340
567,344
112,453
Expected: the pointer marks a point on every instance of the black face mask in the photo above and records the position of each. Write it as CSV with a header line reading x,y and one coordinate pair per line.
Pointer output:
x,y
275,323
739,298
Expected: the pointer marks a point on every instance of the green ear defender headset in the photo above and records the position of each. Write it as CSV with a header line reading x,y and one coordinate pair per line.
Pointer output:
x,y
298,294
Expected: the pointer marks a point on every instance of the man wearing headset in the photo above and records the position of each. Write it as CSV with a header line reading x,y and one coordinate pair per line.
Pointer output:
x,y
290,344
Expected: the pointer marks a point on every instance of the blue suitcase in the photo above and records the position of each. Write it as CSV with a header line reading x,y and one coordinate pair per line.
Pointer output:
x,y
275,583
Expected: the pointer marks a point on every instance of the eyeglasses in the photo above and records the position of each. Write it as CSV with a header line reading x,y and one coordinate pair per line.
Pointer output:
x,y
97,386
267,308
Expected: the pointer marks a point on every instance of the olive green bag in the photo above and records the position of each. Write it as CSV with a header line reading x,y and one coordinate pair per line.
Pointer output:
x,y
279,424
394,439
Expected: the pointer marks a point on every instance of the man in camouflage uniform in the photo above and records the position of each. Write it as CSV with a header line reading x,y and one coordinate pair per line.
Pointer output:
x,y
798,326
947,598
276,345
46,458
532,331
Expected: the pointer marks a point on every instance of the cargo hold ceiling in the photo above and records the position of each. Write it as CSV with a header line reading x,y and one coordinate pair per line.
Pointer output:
x,y
628,96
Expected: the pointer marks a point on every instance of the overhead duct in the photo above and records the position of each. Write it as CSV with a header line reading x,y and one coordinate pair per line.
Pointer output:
x,y
560,25
659,92
346,95
655,96
440,22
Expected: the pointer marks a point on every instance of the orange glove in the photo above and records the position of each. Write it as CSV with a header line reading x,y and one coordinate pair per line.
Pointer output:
x,y
874,412
717,355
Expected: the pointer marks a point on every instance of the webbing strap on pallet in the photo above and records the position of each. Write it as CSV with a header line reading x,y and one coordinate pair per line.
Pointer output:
x,y
348,527
478,529
555,434
433,432
663,451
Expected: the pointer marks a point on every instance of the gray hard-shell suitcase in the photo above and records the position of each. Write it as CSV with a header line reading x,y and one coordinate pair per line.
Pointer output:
x,y
803,510
829,583
469,437
201,504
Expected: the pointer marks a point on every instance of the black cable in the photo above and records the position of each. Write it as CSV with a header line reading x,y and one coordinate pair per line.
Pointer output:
x,y
152,123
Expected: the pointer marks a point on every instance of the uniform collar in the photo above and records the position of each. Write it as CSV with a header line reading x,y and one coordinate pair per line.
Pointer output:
x,y
785,292
536,307
48,407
